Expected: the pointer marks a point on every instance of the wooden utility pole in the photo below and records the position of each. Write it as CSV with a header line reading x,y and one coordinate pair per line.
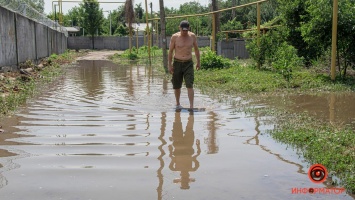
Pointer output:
x,y
129,14
215,22
233,11
163,35
60,12
258,21
151,15
215,8
334,38
148,31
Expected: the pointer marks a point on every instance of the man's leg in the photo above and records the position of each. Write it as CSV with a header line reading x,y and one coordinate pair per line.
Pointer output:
x,y
189,81
190,93
177,81
177,96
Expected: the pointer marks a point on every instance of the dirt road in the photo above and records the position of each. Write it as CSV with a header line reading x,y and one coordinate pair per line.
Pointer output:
x,y
99,55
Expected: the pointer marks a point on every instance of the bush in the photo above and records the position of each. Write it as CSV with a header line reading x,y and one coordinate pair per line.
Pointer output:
x,y
285,59
131,56
269,43
209,60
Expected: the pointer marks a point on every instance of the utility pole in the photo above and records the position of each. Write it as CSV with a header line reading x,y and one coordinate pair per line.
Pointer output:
x,y
109,11
110,24
55,14
215,24
163,35
60,12
151,14
233,10
334,38
148,31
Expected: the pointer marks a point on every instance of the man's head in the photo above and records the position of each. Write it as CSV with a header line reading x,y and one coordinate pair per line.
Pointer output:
x,y
184,25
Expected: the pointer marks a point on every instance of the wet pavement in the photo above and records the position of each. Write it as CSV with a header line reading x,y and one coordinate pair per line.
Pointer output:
x,y
107,131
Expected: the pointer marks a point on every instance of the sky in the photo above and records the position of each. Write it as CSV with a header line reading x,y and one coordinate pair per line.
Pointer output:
x,y
113,6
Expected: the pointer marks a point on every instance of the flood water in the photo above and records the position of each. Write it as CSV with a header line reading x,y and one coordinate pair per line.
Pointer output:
x,y
106,131
334,108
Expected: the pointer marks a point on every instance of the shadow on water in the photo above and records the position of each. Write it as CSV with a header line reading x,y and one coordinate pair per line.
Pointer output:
x,y
110,131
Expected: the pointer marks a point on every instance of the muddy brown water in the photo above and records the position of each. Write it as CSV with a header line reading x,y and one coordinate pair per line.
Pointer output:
x,y
108,131
334,108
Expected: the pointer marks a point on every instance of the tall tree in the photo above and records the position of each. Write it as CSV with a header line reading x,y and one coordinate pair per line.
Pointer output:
x,y
317,31
293,13
139,12
74,15
129,14
93,17
118,21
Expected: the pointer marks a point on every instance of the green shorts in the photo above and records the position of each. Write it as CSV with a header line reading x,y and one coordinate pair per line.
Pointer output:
x,y
183,70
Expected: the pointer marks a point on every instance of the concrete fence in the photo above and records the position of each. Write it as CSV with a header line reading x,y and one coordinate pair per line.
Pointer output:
x,y
23,39
230,49
233,48
120,43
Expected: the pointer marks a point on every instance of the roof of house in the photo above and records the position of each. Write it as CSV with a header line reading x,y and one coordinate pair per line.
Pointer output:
x,y
140,26
72,29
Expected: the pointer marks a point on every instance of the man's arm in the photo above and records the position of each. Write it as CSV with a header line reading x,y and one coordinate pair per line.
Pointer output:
x,y
197,53
170,55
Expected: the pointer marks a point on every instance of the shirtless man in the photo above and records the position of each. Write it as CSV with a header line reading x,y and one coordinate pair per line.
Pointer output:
x,y
182,68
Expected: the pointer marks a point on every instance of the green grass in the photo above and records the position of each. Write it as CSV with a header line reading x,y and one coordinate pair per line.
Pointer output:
x,y
244,79
140,53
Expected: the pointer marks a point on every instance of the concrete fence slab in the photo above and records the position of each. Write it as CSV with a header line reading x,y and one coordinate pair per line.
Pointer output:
x,y
23,39
8,56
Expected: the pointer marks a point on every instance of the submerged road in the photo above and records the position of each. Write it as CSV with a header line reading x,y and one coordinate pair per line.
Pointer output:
x,y
107,131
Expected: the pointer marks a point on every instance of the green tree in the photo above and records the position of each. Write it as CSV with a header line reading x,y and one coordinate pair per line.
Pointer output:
x,y
309,26
75,16
317,31
232,25
268,12
241,14
118,19
199,24
247,15
139,11
293,13
36,4
121,30
92,17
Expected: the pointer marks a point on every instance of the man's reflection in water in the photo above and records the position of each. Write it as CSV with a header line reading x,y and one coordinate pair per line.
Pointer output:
x,y
182,151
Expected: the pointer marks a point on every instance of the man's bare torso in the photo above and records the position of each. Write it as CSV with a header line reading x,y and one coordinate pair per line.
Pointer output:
x,y
183,46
